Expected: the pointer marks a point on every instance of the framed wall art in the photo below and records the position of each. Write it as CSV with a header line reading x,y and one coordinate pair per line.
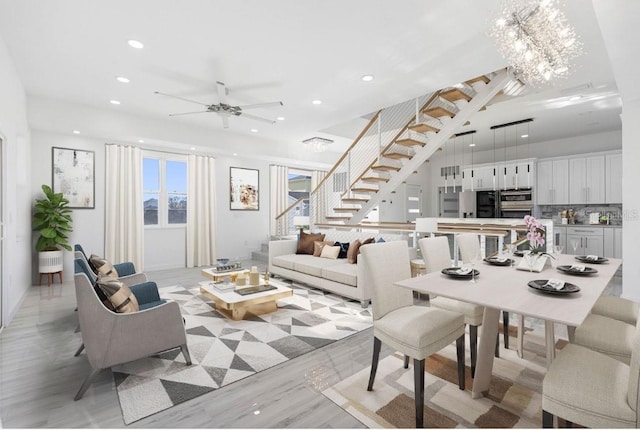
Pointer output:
x,y
73,172
244,189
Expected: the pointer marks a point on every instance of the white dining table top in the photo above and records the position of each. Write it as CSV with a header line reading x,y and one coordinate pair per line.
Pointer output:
x,y
505,288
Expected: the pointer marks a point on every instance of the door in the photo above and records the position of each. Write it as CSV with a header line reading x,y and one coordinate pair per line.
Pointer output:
x,y
414,202
2,229
448,205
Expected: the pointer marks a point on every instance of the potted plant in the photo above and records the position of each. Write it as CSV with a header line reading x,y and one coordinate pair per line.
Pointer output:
x,y
52,218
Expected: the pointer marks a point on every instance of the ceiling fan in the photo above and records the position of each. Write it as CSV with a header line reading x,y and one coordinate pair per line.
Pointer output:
x,y
225,110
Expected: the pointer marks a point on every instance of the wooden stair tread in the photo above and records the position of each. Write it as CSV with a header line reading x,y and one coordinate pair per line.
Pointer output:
x,y
438,111
385,168
364,190
354,200
423,128
336,217
455,94
409,142
397,155
345,209
374,179
481,78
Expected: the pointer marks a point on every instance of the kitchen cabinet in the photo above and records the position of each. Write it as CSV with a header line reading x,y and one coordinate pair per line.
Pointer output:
x,y
587,180
514,175
588,241
481,179
613,242
613,176
552,182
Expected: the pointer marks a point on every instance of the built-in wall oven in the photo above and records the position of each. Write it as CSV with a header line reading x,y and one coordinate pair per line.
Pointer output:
x,y
516,203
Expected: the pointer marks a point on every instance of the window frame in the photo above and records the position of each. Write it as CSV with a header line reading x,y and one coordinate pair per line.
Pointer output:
x,y
163,193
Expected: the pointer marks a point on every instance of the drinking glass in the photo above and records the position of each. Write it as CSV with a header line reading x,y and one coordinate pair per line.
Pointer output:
x,y
574,245
474,260
511,248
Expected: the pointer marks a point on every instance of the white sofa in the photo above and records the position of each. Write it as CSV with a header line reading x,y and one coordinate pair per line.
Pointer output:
x,y
337,276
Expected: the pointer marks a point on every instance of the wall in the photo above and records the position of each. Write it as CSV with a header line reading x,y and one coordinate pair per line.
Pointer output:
x,y
15,193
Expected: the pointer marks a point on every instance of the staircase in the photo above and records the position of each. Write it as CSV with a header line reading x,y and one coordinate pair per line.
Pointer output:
x,y
395,143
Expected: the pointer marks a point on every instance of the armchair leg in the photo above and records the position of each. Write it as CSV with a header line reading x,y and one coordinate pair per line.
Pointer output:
x,y
79,350
377,344
88,380
547,420
185,352
460,357
418,381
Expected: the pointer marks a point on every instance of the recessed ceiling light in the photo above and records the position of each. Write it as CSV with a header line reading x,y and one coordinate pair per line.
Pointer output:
x,y
317,102
280,118
524,135
367,78
140,141
76,132
193,148
135,44
122,79
114,102
254,130
235,153
472,145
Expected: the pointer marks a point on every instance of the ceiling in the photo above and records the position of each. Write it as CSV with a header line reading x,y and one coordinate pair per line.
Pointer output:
x,y
294,51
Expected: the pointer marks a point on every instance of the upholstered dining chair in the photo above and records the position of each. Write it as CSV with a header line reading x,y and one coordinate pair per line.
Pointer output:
x,y
607,336
415,331
112,338
469,250
617,308
436,255
592,389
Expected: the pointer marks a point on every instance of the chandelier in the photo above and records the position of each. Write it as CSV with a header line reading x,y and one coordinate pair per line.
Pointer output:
x,y
317,144
536,39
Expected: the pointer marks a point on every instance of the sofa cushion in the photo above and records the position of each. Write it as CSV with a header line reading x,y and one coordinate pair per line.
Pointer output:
x,y
285,261
331,252
313,265
343,273
344,248
352,253
305,242
318,245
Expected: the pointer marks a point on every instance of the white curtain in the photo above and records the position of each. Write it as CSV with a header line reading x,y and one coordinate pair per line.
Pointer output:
x,y
318,202
124,215
201,211
279,198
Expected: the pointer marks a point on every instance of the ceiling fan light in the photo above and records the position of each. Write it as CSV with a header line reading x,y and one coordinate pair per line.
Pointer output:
x,y
317,102
123,79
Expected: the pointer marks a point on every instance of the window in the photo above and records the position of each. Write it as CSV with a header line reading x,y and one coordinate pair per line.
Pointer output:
x,y
165,191
299,188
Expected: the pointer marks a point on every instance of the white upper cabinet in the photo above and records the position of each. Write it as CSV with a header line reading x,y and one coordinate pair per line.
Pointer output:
x,y
552,182
613,174
478,178
587,180
518,174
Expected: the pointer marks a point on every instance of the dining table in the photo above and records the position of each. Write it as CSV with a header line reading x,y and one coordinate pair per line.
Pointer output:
x,y
505,287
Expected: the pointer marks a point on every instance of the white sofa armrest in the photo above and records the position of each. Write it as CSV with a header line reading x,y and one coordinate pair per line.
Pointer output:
x,y
281,247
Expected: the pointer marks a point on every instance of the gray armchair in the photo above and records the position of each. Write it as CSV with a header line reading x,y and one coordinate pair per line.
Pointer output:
x,y
114,338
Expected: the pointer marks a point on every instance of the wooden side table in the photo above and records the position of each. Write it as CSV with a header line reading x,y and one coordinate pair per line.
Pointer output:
x,y
50,277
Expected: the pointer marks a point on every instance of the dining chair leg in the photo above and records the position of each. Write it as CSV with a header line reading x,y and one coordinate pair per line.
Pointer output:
x,y
505,328
460,356
496,353
520,344
418,380
473,346
406,361
547,420
377,344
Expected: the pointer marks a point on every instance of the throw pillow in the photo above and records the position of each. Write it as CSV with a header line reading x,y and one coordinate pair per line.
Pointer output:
x,y
102,267
317,247
352,253
331,252
120,296
381,240
344,247
369,240
305,242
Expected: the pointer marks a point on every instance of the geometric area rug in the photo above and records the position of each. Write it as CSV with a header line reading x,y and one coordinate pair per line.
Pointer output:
x,y
224,351
514,398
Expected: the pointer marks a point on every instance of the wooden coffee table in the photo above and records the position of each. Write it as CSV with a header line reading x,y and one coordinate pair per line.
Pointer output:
x,y
235,306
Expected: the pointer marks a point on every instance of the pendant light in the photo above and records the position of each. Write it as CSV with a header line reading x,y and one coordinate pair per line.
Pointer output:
x,y
446,168
516,138
528,159
455,140
494,159
472,145
462,181
504,148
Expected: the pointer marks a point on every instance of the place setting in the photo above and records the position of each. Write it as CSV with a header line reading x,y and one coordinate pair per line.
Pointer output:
x,y
593,259
577,269
461,272
553,286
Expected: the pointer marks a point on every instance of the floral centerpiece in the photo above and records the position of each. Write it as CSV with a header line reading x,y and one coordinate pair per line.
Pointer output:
x,y
536,238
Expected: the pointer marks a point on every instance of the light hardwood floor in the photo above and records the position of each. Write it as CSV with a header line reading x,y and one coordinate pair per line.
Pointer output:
x,y
39,376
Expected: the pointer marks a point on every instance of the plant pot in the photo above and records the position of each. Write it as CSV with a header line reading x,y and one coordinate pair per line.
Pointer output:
x,y
50,261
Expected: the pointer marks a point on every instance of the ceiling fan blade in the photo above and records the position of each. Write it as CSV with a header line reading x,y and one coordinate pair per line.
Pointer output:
x,y
257,118
180,98
188,113
261,105
225,121
222,92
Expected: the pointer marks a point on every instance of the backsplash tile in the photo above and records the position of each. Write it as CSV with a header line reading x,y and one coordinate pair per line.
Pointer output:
x,y
551,212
